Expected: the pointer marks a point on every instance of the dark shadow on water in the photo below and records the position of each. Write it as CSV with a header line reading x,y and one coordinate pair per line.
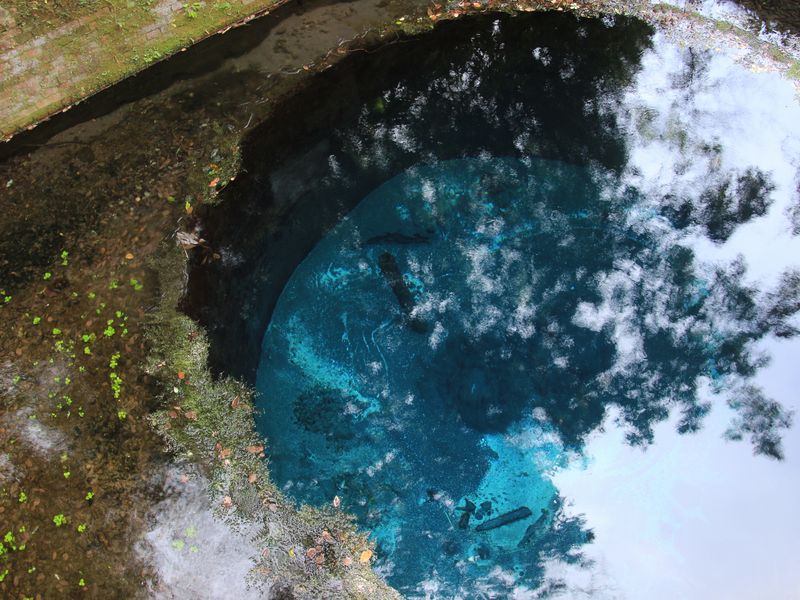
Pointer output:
x,y
279,213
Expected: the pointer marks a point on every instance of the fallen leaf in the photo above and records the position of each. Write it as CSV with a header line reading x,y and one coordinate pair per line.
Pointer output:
x,y
214,182
347,561
255,449
227,502
311,552
129,256
191,415
189,240
252,478
365,556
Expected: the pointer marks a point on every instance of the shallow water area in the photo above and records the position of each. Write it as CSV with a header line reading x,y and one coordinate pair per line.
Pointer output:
x,y
531,244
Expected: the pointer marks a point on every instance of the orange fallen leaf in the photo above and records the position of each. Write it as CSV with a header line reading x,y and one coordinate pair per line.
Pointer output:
x,y
365,556
191,415
214,182
227,502
252,478
129,256
181,375
255,449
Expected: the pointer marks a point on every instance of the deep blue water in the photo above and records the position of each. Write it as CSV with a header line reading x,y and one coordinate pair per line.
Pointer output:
x,y
506,290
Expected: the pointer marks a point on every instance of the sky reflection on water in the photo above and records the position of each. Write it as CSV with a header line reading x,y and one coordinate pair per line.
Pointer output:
x,y
693,517
653,155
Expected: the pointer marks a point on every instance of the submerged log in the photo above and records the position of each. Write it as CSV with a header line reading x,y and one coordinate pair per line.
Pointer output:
x,y
469,506
523,512
391,272
398,238
532,531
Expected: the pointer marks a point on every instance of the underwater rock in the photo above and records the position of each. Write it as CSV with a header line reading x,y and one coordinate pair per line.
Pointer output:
x,y
463,522
523,512
450,548
391,272
532,530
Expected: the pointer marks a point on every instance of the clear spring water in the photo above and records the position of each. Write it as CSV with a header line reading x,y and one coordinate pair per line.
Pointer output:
x,y
485,327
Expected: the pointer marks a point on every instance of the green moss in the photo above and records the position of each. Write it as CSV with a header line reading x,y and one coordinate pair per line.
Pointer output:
x,y
210,422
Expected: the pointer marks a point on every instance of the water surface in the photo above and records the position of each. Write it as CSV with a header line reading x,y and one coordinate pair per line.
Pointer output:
x,y
562,257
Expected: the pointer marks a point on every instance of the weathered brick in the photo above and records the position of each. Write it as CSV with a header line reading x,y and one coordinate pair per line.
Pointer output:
x,y
43,73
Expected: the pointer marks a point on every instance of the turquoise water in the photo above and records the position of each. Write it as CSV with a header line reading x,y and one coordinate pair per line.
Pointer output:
x,y
510,292
442,351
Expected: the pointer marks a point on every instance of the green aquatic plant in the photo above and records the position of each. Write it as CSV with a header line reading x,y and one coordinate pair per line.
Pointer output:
x,y
116,384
